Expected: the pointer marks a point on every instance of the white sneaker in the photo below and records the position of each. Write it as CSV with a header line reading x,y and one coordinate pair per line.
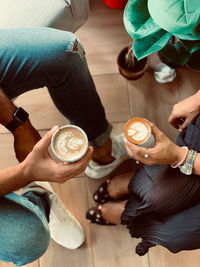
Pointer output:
x,y
97,171
64,228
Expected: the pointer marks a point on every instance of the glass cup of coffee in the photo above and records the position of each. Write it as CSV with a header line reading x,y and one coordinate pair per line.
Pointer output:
x,y
69,143
138,131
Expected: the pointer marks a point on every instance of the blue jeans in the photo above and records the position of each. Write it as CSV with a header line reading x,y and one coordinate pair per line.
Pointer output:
x,y
24,231
29,59
36,57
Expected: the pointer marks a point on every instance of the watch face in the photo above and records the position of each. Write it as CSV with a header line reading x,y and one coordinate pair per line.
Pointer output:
x,y
186,169
21,115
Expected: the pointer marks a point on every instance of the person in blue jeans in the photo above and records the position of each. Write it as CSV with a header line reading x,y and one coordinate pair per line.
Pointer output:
x,y
33,58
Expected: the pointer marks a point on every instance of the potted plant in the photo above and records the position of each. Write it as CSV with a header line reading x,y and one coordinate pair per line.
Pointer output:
x,y
129,66
154,24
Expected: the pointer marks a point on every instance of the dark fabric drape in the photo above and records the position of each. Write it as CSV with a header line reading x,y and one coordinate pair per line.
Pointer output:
x,y
164,204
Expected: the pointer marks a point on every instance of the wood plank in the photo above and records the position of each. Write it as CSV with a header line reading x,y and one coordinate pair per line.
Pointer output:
x,y
188,82
112,245
160,256
153,100
103,36
113,93
42,111
74,195
33,264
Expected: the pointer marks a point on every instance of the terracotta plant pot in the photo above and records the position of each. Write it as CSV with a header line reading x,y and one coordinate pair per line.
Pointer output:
x,y
129,66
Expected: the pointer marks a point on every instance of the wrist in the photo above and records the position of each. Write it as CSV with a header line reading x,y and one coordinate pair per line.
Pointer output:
x,y
7,108
180,156
23,128
24,167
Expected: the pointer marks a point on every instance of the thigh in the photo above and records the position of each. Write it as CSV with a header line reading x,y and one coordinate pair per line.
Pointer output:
x,y
24,231
32,58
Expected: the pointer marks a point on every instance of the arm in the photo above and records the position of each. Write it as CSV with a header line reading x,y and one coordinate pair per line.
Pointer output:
x,y
187,110
12,179
7,108
38,166
25,136
164,151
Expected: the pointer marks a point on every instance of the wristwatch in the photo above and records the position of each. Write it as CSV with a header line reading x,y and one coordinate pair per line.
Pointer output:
x,y
188,166
19,117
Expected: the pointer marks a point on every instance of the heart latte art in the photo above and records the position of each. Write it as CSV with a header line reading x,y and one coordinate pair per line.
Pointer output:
x,y
138,131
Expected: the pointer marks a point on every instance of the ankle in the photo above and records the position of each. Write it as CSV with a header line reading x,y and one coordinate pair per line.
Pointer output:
x,y
103,155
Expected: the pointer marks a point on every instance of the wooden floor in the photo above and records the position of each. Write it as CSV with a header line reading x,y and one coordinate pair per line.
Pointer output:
x,y
103,36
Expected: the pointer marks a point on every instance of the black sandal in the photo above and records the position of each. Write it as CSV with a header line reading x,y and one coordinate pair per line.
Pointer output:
x,y
94,215
101,195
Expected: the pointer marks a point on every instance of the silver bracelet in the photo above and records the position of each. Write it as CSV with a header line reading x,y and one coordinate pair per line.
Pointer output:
x,y
188,166
183,158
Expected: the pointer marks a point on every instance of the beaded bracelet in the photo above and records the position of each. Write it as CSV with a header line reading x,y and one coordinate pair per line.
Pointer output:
x,y
183,158
188,166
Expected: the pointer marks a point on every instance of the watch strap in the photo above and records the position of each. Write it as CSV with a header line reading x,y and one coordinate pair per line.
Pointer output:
x,y
188,166
13,124
19,118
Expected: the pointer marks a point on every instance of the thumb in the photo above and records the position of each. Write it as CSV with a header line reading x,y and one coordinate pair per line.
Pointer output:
x,y
44,143
155,131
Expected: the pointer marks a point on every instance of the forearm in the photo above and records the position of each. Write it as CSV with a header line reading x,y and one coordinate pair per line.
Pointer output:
x,y
12,179
7,108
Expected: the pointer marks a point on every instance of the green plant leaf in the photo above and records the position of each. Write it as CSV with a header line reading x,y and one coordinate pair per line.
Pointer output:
x,y
180,17
143,47
147,35
152,23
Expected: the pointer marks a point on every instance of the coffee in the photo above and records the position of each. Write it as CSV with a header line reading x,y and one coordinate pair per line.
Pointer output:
x,y
138,131
69,143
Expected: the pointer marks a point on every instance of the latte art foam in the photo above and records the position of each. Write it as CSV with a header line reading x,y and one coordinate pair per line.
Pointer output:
x,y
69,143
138,131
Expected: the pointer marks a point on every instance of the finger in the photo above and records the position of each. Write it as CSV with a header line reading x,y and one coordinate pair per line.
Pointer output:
x,y
82,162
134,150
44,143
184,124
70,170
155,131
174,121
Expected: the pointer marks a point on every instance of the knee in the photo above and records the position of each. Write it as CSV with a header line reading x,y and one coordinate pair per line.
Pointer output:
x,y
76,48
35,242
27,243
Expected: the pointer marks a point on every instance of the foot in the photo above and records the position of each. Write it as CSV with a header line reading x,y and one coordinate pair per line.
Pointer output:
x,y
107,158
102,155
64,227
112,211
113,189
118,186
107,214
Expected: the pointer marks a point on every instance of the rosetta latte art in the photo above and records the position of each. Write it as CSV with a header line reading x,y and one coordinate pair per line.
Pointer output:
x,y
69,144
73,144
138,131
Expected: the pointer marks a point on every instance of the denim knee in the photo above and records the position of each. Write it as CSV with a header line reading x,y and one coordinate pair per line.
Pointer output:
x,y
24,233
25,245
